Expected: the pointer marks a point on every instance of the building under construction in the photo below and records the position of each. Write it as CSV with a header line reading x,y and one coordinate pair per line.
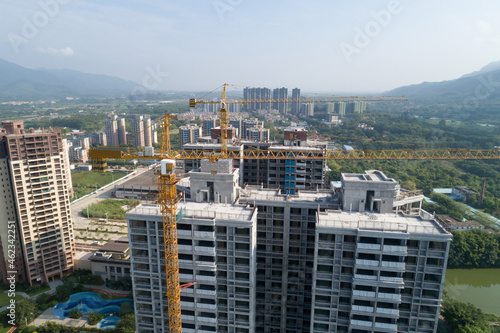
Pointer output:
x,y
362,259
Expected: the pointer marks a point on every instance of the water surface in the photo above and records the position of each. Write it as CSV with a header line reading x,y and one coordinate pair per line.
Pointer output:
x,y
480,287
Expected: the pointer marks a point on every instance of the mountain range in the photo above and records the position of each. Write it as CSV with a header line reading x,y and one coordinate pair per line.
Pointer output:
x,y
482,85
21,83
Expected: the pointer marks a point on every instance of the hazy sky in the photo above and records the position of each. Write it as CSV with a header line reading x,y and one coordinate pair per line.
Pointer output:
x,y
324,45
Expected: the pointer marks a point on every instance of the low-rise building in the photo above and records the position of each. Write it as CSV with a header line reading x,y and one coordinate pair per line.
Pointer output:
x,y
452,223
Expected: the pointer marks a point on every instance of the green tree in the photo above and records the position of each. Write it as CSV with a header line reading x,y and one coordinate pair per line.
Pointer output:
x,y
64,290
25,311
125,307
464,317
75,314
127,324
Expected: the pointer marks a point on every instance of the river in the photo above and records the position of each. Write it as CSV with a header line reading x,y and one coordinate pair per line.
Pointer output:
x,y
480,287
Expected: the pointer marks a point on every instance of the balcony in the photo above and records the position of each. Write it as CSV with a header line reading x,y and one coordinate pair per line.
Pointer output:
x,y
365,246
183,233
185,248
392,327
391,279
362,293
205,250
361,323
206,319
392,248
203,292
366,277
392,312
204,234
395,297
205,278
370,263
360,308
390,264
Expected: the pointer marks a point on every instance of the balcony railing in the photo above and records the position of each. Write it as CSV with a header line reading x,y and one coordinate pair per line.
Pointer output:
x,y
390,264
361,323
386,326
393,248
393,312
363,262
396,297
362,308
362,293
365,277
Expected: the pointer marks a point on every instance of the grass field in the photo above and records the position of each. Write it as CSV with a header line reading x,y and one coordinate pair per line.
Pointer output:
x,y
5,299
85,182
113,208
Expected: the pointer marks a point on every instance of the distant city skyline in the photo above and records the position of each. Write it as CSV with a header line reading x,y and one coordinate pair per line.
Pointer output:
x,y
324,46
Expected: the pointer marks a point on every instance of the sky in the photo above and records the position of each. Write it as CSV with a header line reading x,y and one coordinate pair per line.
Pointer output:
x,y
323,45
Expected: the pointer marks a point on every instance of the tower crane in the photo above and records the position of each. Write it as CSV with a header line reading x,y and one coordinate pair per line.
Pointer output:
x,y
167,180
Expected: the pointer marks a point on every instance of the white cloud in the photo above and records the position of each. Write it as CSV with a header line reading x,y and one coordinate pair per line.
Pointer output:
x,y
65,51
484,27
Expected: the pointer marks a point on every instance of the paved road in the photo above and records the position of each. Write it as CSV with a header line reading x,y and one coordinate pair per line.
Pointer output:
x,y
76,208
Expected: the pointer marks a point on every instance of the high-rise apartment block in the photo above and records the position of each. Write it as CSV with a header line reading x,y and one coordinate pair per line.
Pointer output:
x,y
340,108
141,131
257,134
250,123
137,131
116,132
99,139
210,123
356,107
365,259
307,109
295,101
250,94
336,107
189,134
280,94
34,171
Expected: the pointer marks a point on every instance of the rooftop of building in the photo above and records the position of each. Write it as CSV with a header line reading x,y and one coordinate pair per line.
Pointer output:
x,y
207,210
369,176
423,223
210,146
465,189
448,219
145,179
116,246
255,192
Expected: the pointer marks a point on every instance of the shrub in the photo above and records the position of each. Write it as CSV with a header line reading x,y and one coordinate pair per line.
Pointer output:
x,y
95,317
75,314
42,301
125,307
95,280
52,303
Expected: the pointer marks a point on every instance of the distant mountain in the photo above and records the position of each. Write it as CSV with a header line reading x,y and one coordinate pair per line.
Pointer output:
x,y
482,85
20,83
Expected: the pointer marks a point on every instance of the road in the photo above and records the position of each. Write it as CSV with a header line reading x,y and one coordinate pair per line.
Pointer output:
x,y
76,208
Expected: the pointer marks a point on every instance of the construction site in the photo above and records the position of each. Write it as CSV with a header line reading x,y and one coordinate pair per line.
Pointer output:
x,y
249,236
